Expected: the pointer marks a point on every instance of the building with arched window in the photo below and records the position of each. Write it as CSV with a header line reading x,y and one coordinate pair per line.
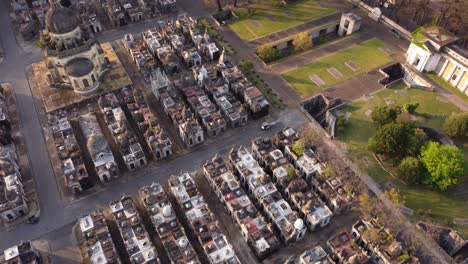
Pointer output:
x,y
73,57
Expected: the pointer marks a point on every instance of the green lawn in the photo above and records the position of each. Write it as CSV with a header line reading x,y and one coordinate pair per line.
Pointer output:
x,y
365,55
444,206
448,86
268,19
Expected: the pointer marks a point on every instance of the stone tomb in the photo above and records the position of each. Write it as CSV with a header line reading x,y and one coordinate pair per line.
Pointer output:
x,y
314,78
353,66
335,73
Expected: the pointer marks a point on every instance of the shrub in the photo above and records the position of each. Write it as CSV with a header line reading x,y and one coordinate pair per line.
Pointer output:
x,y
410,107
302,42
267,53
457,125
298,148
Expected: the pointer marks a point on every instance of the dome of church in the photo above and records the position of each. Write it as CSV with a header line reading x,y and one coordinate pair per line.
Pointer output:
x,y
79,67
61,20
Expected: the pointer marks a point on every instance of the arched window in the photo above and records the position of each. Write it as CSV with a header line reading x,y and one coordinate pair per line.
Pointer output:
x,y
85,82
75,82
93,78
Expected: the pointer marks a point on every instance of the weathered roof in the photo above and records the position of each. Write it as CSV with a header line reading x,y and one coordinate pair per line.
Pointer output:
x,y
60,20
79,67
439,35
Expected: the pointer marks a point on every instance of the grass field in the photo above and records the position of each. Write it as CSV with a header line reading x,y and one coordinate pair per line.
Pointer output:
x,y
447,86
444,206
366,55
267,19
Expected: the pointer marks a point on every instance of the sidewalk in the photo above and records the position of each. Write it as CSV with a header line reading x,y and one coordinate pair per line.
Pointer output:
x,y
23,161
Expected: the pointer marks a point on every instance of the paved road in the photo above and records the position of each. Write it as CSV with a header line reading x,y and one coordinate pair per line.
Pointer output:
x,y
54,214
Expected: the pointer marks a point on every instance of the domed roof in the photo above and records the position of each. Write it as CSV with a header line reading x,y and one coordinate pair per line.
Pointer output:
x,y
97,144
61,20
299,224
79,67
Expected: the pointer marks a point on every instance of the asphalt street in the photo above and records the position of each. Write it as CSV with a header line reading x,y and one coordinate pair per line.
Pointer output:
x,y
54,214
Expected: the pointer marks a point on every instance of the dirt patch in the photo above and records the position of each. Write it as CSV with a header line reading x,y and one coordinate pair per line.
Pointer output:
x,y
255,24
272,18
288,14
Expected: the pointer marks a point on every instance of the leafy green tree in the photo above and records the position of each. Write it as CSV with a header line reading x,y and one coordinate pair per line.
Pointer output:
x,y
444,164
393,140
411,170
457,125
267,53
417,141
410,107
384,115
302,42
298,147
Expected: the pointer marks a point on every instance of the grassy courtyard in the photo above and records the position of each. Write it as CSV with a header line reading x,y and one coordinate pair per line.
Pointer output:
x,y
366,56
447,86
265,19
443,206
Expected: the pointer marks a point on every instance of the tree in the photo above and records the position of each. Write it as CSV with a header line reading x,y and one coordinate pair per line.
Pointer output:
x,y
384,115
298,148
267,53
394,196
410,107
393,140
302,41
444,164
411,170
366,205
457,125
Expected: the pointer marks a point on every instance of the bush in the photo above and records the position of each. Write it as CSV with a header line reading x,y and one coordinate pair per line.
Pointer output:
x,y
267,53
410,107
457,125
340,124
302,42
298,148
246,66
411,170
444,164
